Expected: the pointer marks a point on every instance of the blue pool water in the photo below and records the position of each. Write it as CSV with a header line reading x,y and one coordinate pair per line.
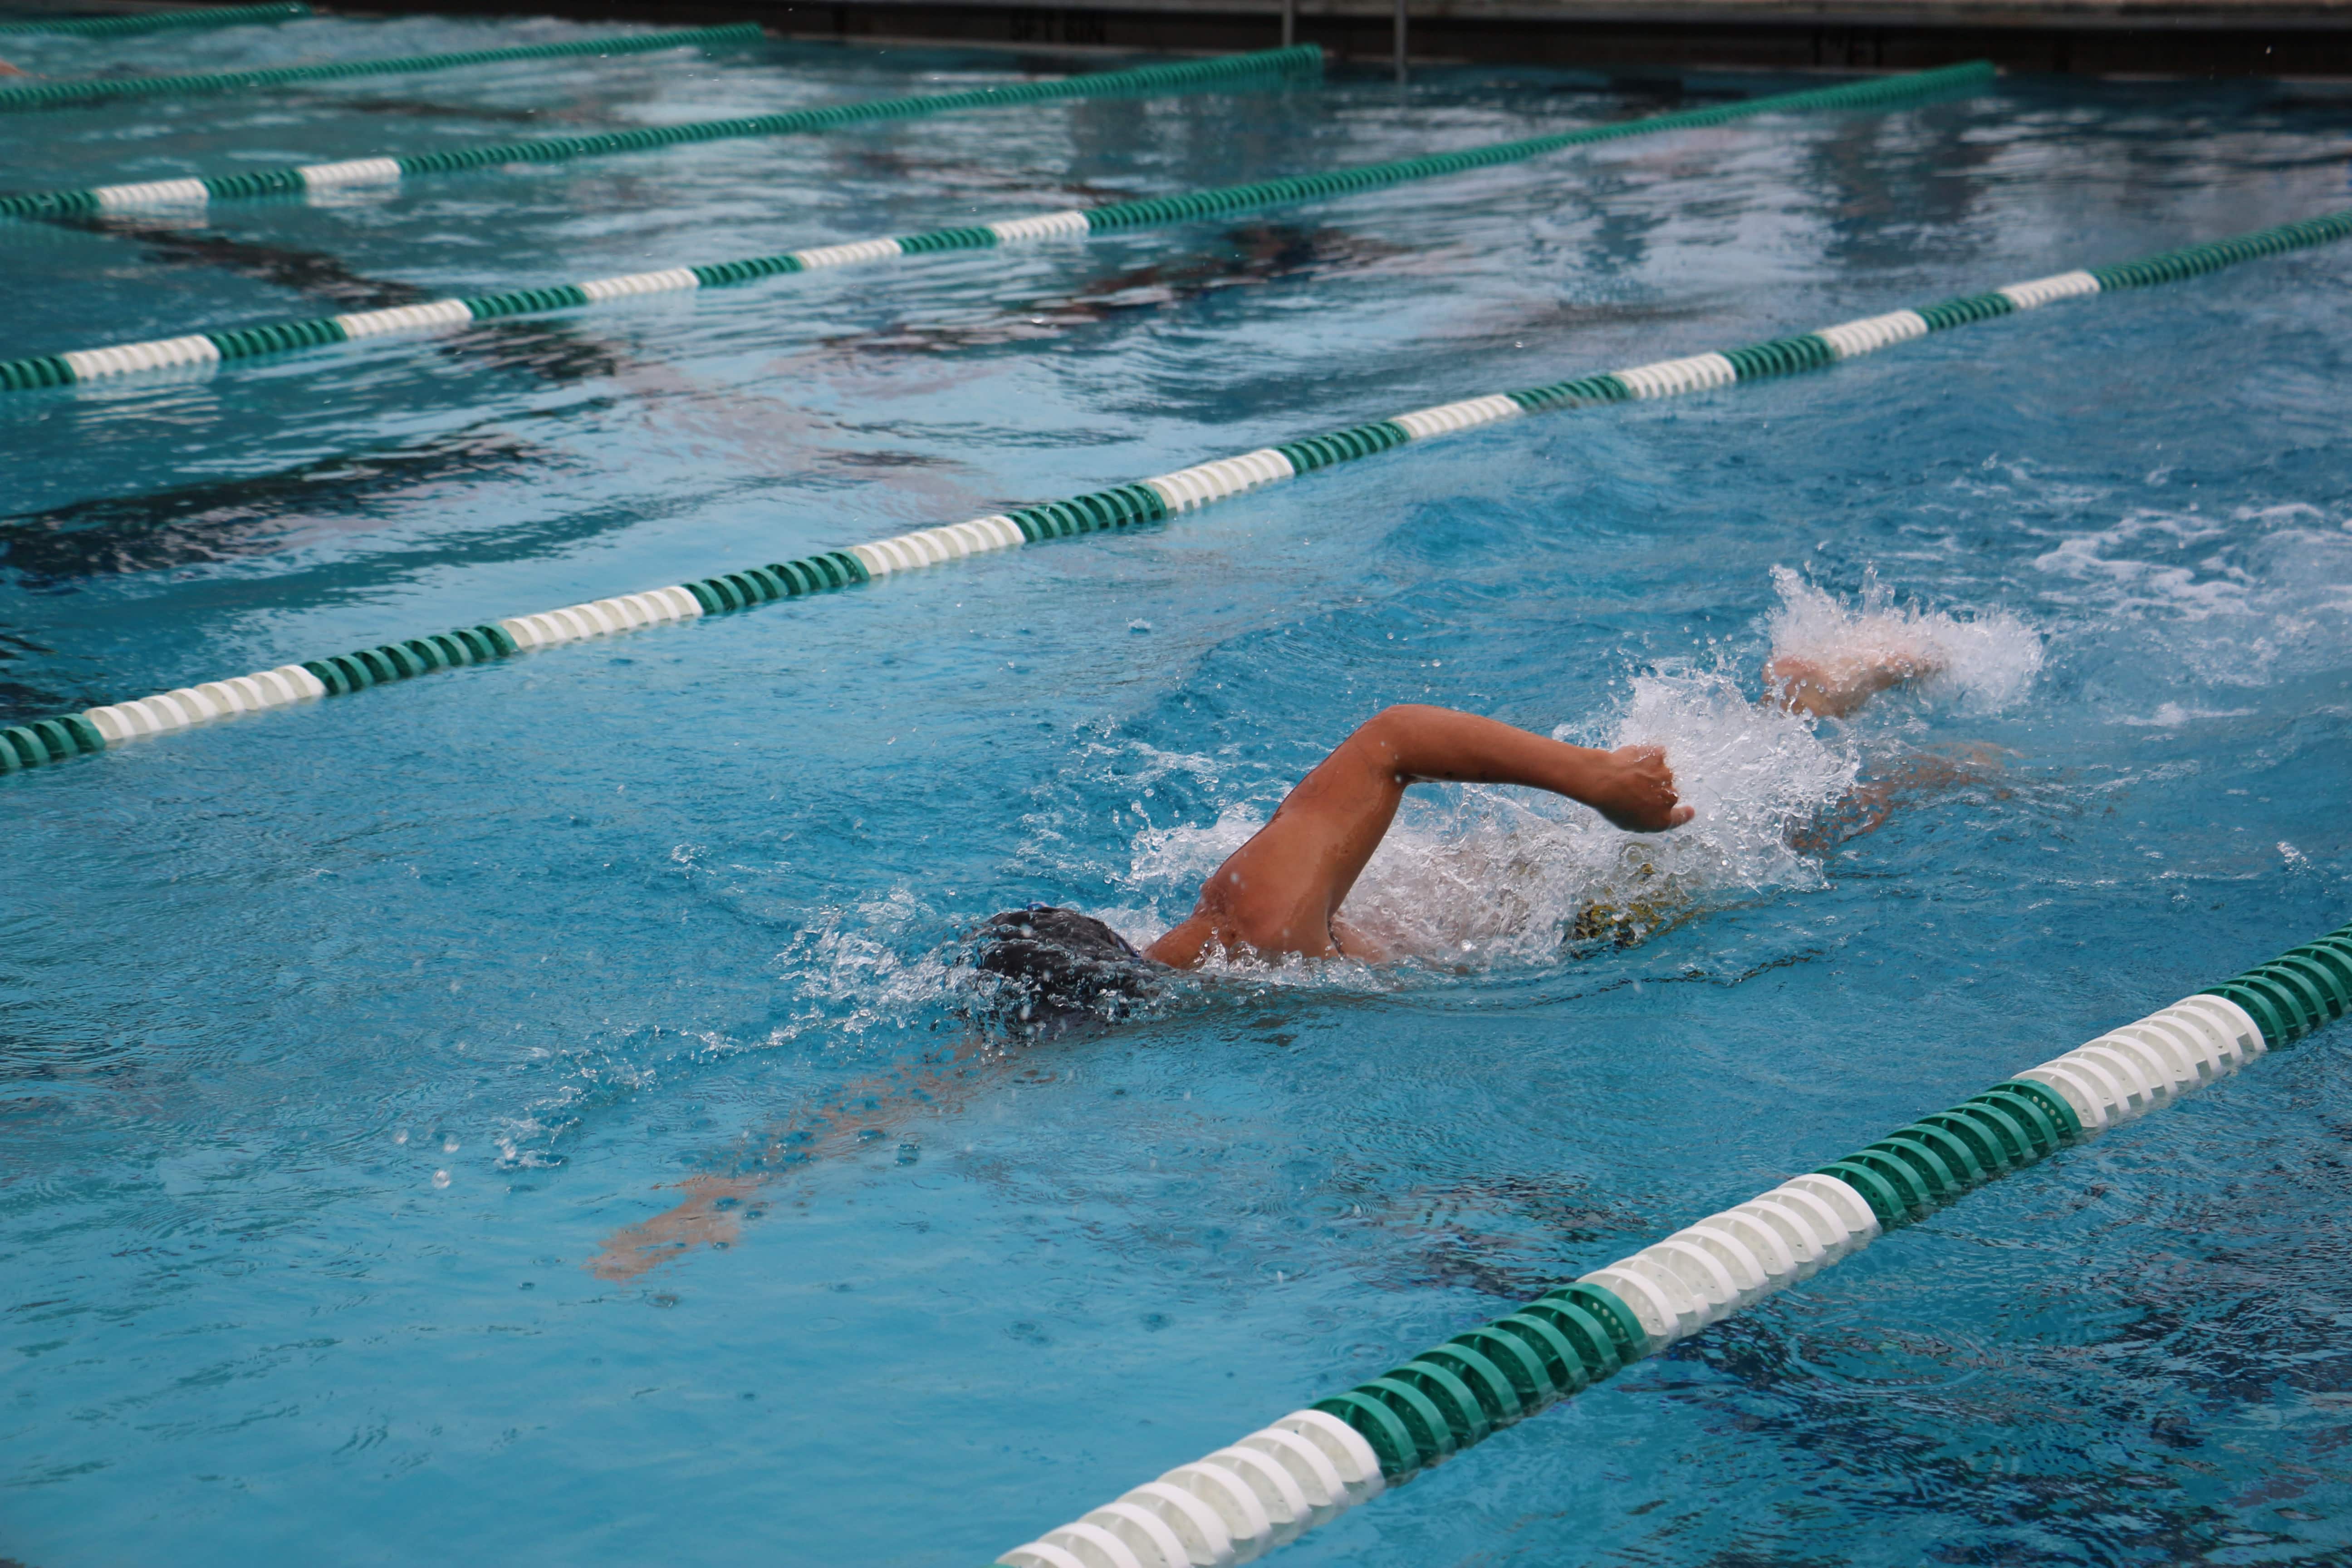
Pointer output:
x,y
403,1094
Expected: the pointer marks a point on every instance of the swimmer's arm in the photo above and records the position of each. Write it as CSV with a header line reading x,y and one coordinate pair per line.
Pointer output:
x,y
713,1211
1631,787
711,1214
1827,689
1278,892
1867,807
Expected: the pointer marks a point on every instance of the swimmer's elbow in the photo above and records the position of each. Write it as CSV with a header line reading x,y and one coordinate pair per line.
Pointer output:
x,y
1397,730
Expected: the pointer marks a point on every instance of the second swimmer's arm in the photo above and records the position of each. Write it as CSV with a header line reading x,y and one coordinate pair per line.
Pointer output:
x,y
1834,687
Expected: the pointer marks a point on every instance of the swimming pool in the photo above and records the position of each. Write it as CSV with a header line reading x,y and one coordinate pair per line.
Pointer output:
x,y
343,1041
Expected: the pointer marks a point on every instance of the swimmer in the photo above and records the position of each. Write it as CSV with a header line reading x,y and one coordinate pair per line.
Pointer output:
x,y
7,69
1281,894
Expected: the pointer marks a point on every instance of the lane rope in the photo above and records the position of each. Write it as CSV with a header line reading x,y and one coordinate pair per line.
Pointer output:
x,y
94,89
1149,500
193,194
204,350
1272,1486
160,21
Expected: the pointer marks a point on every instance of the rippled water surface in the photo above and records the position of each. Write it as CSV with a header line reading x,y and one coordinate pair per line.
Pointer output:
x,y
489,1119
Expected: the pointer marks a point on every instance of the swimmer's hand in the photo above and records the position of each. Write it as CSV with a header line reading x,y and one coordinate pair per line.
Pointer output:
x,y
1635,791
1823,687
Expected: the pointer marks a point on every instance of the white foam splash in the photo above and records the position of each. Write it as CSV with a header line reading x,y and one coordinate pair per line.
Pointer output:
x,y
848,970
1987,661
2173,716
2244,598
1480,876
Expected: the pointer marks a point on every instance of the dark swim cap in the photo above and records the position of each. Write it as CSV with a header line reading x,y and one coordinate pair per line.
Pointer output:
x,y
1061,968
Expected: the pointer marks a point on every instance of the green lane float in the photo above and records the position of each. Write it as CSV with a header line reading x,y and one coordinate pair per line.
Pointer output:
x,y
1149,500
204,350
1273,1486
97,89
189,196
159,21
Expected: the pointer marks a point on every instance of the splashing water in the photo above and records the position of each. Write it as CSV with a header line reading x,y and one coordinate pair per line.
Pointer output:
x,y
1984,663
1487,875
848,970
1495,876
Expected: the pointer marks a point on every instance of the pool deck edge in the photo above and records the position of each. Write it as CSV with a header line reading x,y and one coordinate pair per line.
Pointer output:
x,y
2193,38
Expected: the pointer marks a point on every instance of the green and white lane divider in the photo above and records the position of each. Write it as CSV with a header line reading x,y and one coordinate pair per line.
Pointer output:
x,y
205,349
298,179
99,88
1277,1483
1153,499
160,21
